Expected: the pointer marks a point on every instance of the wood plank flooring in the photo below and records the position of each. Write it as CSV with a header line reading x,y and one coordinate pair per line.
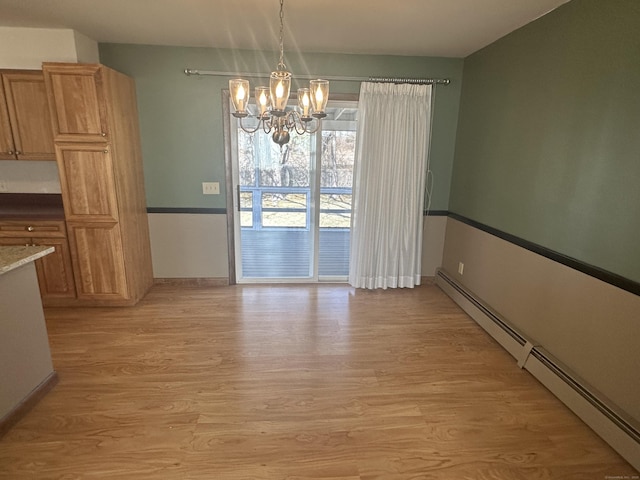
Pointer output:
x,y
280,382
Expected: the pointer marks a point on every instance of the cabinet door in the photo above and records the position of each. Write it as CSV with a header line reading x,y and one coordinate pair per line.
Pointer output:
x,y
98,260
76,98
29,115
6,138
55,272
87,182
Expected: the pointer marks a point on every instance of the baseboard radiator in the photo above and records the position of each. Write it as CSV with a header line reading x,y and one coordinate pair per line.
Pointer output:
x,y
622,433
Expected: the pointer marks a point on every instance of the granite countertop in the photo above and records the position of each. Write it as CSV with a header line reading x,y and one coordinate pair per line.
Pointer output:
x,y
12,257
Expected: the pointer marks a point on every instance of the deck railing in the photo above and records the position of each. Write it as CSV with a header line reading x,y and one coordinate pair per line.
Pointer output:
x,y
287,195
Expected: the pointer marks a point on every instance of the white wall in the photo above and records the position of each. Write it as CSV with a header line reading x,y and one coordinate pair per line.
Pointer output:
x,y
27,48
189,245
18,176
86,49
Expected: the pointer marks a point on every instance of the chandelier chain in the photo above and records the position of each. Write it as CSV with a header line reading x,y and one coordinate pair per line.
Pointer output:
x,y
281,65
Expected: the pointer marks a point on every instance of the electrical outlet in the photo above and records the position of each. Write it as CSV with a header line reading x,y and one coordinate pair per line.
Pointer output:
x,y
210,188
461,268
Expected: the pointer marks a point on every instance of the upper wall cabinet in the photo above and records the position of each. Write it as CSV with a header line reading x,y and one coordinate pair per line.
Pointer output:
x,y
25,126
79,109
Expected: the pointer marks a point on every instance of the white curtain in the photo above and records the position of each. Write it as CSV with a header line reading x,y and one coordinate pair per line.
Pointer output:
x,y
389,185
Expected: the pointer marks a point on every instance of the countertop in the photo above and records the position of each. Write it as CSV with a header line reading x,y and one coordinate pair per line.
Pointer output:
x,y
12,257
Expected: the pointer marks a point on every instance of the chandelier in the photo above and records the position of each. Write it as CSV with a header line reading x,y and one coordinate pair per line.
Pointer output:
x,y
271,102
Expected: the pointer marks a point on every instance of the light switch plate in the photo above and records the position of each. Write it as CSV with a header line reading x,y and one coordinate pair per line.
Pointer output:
x,y
210,188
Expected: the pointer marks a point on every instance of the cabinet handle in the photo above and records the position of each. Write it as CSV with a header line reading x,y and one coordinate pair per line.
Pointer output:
x,y
103,134
30,228
10,152
105,151
18,152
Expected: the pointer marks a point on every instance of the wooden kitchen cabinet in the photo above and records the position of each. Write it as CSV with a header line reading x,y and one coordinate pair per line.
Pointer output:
x,y
25,125
55,271
87,182
97,142
78,102
99,263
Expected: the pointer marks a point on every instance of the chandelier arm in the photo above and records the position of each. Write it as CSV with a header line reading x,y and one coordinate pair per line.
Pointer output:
x,y
267,125
318,126
297,129
294,122
249,130
291,119
311,131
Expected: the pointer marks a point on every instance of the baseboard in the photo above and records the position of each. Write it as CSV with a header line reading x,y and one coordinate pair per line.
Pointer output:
x,y
193,282
614,427
20,410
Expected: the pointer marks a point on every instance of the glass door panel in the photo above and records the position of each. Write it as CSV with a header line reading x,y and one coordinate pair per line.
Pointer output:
x,y
276,234
336,175
292,224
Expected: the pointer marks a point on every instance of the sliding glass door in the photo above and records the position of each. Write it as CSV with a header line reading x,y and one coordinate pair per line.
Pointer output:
x,y
293,204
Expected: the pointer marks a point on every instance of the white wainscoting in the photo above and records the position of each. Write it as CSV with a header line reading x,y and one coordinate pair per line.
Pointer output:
x,y
433,235
187,245
588,327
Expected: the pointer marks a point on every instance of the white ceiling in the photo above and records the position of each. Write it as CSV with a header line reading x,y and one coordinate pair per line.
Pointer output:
x,y
447,28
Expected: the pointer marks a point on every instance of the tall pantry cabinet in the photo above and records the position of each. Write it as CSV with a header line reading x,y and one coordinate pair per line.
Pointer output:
x,y
97,143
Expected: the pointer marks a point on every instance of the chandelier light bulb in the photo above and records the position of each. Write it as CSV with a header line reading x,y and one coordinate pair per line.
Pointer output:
x,y
319,96
280,84
262,99
304,103
239,90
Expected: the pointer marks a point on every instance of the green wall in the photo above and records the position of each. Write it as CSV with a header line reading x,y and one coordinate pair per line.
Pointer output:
x,y
548,144
181,117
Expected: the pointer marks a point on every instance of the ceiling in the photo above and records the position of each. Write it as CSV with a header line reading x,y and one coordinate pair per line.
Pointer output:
x,y
446,28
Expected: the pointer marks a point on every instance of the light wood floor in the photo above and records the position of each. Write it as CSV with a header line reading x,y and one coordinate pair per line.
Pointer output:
x,y
296,383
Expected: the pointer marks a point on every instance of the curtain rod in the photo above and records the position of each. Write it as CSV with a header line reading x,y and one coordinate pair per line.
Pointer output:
x,y
419,81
